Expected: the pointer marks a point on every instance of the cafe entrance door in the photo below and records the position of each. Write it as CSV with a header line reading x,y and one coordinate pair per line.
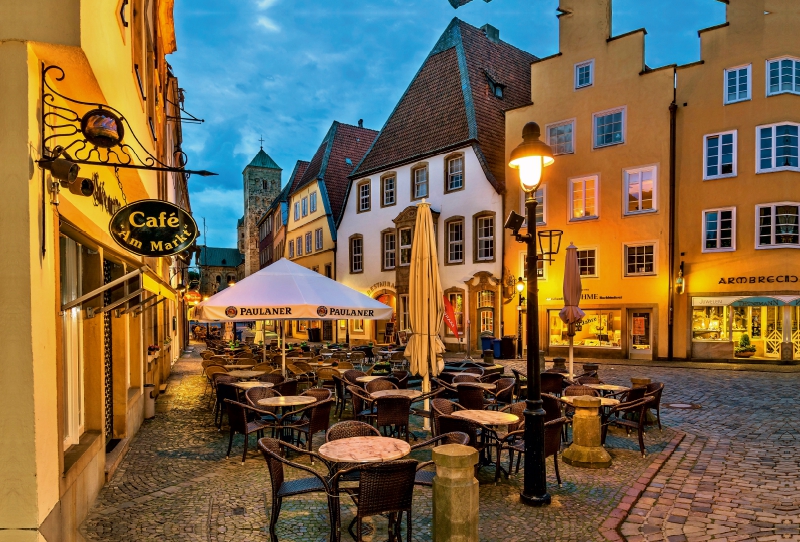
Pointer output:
x,y
640,337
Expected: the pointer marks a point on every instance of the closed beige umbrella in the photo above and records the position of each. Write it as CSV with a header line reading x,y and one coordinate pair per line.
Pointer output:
x,y
425,301
571,313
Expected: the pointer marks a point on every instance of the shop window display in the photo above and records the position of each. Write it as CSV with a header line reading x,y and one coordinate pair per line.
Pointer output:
x,y
599,328
710,324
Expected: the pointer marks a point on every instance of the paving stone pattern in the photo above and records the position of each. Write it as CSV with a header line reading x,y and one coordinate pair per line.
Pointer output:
x,y
175,484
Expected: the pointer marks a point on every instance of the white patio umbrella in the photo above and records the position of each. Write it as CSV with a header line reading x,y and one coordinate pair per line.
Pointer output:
x,y
287,291
426,305
571,313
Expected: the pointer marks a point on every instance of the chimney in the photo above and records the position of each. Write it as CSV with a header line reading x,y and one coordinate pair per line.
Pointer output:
x,y
491,32
360,123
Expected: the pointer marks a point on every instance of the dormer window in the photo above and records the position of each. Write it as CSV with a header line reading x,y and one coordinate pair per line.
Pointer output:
x,y
495,88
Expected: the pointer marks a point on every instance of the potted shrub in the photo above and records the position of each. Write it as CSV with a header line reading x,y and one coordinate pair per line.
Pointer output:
x,y
745,348
304,347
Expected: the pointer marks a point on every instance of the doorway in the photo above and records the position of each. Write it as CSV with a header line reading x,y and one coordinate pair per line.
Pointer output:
x,y
640,337
384,330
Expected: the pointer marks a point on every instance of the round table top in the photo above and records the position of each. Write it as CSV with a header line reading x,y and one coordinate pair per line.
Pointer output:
x,y
487,417
321,364
411,394
246,374
243,366
607,387
364,449
287,400
484,385
368,378
604,401
248,385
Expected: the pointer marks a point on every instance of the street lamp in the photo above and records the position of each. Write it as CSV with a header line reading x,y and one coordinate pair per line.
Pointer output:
x,y
520,288
531,157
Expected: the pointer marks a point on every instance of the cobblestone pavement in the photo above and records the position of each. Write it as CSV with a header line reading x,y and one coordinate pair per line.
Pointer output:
x,y
175,483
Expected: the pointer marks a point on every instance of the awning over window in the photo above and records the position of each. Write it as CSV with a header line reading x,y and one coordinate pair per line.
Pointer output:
x,y
747,301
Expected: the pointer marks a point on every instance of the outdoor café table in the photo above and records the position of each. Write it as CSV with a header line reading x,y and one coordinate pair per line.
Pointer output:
x,y
243,366
609,388
484,385
251,384
364,450
287,401
321,364
246,374
499,421
365,379
411,394
604,401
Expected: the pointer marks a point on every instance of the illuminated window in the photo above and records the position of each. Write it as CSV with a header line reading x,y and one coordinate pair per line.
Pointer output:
x,y
584,198
639,260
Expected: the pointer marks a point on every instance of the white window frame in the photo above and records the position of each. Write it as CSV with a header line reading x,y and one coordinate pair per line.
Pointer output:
x,y
354,255
318,239
732,248
622,109
296,211
291,249
571,197
309,243
72,348
596,273
450,173
312,202
725,72
387,251
626,181
305,206
559,124
523,255
364,196
487,240
541,193
299,246
576,69
625,248
758,229
450,242
706,137
404,312
773,169
401,247
415,185
393,191
795,90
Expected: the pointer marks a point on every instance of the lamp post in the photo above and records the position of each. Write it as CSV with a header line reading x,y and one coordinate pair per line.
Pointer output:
x,y
531,157
520,288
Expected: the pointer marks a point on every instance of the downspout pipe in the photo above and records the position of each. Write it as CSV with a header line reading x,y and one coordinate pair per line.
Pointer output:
x,y
673,113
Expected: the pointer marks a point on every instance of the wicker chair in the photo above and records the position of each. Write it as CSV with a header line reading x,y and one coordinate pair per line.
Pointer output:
x,y
325,378
402,379
210,371
503,393
253,395
398,360
238,414
314,418
275,379
350,376
362,403
349,429
225,390
474,370
466,377
636,418
588,380
448,390
393,414
320,394
358,358
452,424
442,407
379,385
575,391
654,390
344,366
341,393
515,442
383,488
287,387
281,488
425,477
421,411
552,383
521,383
471,397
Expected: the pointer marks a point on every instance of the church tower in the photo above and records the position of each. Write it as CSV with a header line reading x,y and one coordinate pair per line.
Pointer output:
x,y
262,184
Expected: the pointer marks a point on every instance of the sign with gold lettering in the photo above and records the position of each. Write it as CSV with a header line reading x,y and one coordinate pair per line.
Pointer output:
x,y
153,227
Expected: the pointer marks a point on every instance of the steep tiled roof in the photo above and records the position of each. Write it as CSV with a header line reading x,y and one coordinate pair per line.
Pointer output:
x,y
343,147
219,257
262,159
450,103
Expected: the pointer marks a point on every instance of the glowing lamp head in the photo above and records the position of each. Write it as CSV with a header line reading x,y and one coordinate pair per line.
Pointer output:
x,y
531,157
520,285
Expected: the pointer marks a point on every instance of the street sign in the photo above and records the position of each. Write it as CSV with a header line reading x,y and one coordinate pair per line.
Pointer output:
x,y
153,228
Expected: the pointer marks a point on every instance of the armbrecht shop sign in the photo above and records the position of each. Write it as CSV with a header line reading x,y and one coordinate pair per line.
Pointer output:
x,y
153,228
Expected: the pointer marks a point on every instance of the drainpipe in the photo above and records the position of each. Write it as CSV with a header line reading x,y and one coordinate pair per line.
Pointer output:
x,y
673,112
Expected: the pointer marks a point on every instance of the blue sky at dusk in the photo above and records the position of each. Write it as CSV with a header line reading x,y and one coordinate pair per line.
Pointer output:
x,y
285,69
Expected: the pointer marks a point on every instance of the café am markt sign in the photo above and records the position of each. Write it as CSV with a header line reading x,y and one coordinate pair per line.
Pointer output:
x,y
153,227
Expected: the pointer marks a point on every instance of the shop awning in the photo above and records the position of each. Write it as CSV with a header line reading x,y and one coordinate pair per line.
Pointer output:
x,y
747,301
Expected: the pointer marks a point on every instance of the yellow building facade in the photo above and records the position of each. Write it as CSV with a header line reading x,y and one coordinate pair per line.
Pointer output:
x,y
607,117
80,311
739,186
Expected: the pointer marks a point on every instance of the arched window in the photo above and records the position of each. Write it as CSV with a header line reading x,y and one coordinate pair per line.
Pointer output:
x,y
219,279
486,311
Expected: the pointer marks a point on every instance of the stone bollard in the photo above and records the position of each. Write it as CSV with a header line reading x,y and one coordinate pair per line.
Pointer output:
x,y
586,449
455,494
590,367
639,382
560,364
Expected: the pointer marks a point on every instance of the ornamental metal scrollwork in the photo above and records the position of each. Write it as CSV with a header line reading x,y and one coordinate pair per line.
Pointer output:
x,y
97,136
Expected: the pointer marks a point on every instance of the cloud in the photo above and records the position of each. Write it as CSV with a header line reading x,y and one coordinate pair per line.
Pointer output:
x,y
267,24
265,4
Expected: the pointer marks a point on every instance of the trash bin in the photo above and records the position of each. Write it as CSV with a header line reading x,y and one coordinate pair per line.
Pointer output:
x,y
488,356
314,334
497,346
509,347
487,343
149,401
